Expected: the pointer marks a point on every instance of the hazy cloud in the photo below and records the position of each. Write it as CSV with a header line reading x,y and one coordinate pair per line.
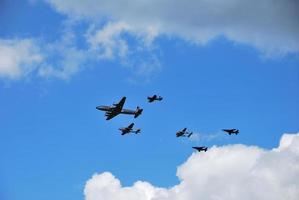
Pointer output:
x,y
206,137
19,57
271,26
125,31
63,57
231,172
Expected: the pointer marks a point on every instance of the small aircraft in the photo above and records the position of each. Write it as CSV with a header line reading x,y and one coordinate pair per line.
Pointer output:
x,y
117,108
199,149
183,133
154,98
231,131
129,129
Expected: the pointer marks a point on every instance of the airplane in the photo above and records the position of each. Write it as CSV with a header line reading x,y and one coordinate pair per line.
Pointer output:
x,y
199,149
129,129
231,131
117,108
183,133
154,98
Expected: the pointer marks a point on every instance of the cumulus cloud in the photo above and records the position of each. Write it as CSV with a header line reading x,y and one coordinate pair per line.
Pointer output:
x,y
231,172
271,26
19,57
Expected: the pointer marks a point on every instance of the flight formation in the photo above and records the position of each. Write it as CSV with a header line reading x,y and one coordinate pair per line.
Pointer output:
x,y
117,109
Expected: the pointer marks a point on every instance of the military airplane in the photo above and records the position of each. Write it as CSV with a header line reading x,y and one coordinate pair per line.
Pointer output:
x,y
129,129
199,149
231,131
154,98
117,108
183,133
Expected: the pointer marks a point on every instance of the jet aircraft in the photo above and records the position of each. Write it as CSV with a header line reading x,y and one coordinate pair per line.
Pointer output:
x,y
184,133
154,98
129,129
117,108
199,149
231,131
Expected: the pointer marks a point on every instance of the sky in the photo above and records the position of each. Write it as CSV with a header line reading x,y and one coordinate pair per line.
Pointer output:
x,y
217,64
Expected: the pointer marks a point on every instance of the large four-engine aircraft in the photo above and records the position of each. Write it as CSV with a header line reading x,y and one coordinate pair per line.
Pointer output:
x,y
129,129
199,149
117,108
154,98
184,133
231,131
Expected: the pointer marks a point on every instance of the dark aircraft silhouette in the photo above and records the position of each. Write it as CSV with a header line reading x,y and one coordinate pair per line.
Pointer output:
x,y
231,131
129,129
199,149
117,108
154,98
183,133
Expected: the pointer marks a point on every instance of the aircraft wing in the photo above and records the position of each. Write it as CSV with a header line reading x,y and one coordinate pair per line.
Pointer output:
x,y
110,115
116,109
120,105
124,133
131,126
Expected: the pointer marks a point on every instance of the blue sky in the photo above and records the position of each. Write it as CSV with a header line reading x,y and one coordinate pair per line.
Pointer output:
x,y
53,139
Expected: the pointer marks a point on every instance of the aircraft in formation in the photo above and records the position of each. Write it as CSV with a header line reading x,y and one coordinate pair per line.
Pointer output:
x,y
231,131
117,108
183,133
154,98
199,149
129,129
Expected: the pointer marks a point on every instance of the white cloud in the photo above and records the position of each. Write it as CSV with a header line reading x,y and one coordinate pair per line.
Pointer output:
x,y
19,57
107,41
271,26
231,172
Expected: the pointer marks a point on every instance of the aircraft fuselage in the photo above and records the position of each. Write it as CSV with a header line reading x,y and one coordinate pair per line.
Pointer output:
x,y
104,108
180,133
